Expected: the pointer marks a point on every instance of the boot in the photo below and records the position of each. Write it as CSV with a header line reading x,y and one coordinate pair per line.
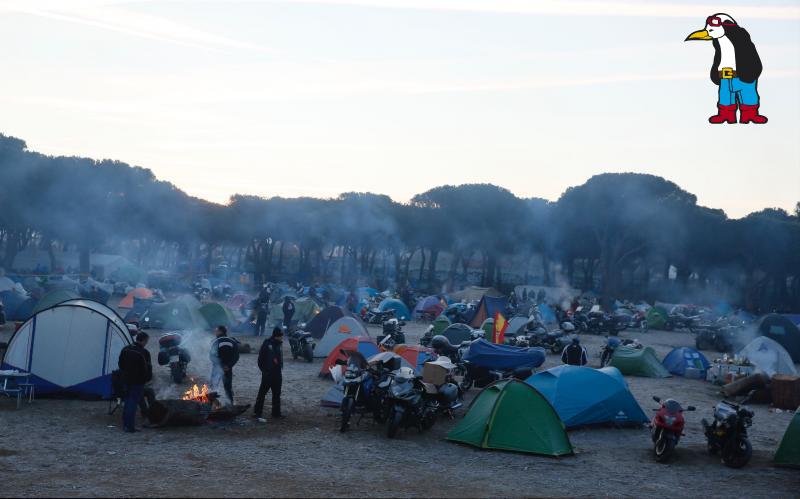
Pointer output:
x,y
750,113
727,114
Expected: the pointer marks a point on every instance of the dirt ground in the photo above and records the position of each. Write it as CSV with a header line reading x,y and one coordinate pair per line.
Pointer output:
x,y
73,448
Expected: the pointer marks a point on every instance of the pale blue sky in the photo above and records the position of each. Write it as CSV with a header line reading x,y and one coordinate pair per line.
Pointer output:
x,y
319,97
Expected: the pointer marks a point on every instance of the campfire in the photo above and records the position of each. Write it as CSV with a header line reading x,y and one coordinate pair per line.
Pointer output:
x,y
197,394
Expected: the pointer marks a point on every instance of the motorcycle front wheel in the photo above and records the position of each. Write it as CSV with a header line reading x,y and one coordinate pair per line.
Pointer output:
x,y
605,358
663,449
394,423
347,410
308,352
737,454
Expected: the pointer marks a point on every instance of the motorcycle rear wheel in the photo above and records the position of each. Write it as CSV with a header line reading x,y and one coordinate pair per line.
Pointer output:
x,y
308,352
737,454
394,423
347,411
177,374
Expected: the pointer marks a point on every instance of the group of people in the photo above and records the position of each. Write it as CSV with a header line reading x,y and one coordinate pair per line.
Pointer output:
x,y
261,310
136,371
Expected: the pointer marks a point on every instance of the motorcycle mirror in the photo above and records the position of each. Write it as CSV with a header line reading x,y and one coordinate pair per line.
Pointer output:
x,y
691,408
657,399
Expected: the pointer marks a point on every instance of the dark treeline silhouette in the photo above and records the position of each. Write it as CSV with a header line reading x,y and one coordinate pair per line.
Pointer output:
x,y
625,235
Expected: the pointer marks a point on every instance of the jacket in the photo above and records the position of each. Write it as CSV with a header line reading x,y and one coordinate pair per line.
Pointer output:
x,y
224,351
574,355
135,365
270,358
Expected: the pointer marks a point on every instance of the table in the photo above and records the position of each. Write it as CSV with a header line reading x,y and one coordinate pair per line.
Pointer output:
x,y
22,380
719,371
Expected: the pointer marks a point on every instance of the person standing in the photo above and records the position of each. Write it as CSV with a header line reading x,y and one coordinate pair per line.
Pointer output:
x,y
270,362
574,354
137,370
224,354
288,311
262,312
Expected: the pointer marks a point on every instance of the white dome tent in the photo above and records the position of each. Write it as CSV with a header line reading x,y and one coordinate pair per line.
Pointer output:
x,y
70,349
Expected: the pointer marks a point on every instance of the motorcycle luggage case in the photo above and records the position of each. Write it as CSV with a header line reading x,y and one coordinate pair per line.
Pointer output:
x,y
434,374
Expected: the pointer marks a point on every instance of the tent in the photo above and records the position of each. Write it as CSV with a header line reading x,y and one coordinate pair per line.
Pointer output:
x,y
440,324
584,396
516,325
305,309
54,298
320,323
457,334
70,349
487,308
682,358
474,293
481,353
141,293
6,284
237,300
18,307
657,318
768,356
346,327
400,309
182,313
512,415
638,362
363,344
414,356
781,329
429,305
333,397
548,314
795,318
217,314
789,451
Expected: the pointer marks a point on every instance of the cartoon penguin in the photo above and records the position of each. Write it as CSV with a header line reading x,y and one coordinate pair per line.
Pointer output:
x,y
736,69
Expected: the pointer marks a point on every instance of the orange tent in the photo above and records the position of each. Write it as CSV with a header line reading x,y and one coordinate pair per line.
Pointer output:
x,y
141,293
366,346
414,356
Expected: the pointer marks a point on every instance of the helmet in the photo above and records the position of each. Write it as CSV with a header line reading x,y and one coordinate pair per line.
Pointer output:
x,y
449,392
440,342
568,326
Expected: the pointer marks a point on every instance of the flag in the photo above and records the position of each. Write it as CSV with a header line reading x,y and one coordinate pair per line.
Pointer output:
x,y
500,326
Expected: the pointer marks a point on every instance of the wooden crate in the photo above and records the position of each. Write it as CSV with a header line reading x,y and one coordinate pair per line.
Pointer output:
x,y
785,391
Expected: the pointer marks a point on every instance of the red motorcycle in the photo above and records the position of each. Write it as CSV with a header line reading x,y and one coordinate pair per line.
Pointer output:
x,y
667,428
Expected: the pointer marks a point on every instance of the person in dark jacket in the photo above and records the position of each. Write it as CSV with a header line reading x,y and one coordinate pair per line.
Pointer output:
x,y
137,370
224,354
288,311
574,354
262,312
270,362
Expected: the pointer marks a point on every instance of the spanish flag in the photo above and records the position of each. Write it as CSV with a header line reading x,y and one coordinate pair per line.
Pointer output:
x,y
500,326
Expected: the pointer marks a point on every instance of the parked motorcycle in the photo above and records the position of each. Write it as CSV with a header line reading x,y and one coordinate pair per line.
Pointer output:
x,y
719,335
555,341
667,428
358,387
611,346
597,322
727,434
375,316
302,344
170,353
392,333
407,403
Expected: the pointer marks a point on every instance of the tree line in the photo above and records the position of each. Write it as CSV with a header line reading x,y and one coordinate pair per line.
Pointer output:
x,y
624,235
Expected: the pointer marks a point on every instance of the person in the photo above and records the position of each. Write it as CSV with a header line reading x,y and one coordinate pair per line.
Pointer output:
x,y
288,311
137,370
512,301
264,294
312,292
224,355
574,354
262,312
270,362
352,301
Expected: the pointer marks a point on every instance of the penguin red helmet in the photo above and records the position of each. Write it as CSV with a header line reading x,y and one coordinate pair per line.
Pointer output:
x,y
715,20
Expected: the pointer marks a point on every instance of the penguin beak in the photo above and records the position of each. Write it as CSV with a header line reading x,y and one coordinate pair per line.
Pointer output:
x,y
700,34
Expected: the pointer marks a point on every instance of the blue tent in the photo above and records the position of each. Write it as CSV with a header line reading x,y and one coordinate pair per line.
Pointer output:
x,y
400,309
487,309
794,318
548,314
682,358
584,396
366,292
481,353
18,307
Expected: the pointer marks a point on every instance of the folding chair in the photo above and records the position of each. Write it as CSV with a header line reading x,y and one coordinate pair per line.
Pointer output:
x,y
12,389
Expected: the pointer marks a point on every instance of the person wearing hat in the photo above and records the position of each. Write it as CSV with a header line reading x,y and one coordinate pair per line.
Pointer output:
x,y
270,362
574,354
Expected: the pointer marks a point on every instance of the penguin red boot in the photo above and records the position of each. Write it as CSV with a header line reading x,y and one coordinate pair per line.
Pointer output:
x,y
750,113
727,114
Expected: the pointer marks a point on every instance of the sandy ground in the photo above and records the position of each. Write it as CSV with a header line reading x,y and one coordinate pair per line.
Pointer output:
x,y
73,448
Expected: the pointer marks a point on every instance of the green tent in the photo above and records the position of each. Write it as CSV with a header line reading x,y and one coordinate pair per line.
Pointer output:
x,y
183,313
512,415
657,318
440,324
789,451
638,362
53,298
305,309
217,314
488,328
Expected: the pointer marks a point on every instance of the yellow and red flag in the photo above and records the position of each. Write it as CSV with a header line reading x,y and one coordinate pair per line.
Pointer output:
x,y
500,326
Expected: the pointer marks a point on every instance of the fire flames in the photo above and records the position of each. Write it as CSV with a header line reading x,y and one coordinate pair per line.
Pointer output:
x,y
197,394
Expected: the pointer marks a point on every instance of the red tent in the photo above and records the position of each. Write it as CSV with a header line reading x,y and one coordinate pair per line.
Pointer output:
x,y
363,344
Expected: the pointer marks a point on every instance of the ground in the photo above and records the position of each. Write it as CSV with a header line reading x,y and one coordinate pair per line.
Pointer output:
x,y
73,448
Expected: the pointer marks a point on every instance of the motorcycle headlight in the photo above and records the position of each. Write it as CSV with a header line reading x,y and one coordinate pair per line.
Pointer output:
x,y
669,420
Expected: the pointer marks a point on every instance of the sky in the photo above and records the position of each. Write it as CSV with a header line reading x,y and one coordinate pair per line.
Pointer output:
x,y
320,97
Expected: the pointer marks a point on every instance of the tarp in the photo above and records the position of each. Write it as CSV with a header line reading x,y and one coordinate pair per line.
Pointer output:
x,y
127,301
638,362
788,453
474,293
54,298
363,344
486,309
346,327
457,334
400,309
182,313
512,415
217,314
679,359
69,349
584,396
322,321
481,353
781,329
768,356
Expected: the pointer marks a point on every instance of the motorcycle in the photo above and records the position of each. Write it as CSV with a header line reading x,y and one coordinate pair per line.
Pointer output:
x,y
302,344
392,333
375,316
611,346
597,322
358,388
667,428
408,404
170,353
555,341
727,434
718,335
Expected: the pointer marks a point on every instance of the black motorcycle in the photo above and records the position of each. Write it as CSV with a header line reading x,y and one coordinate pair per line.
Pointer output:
x,y
555,341
392,333
718,335
598,323
365,386
408,404
302,345
170,353
727,434
375,316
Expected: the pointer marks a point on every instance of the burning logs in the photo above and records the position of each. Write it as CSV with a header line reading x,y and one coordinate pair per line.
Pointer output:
x,y
197,406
